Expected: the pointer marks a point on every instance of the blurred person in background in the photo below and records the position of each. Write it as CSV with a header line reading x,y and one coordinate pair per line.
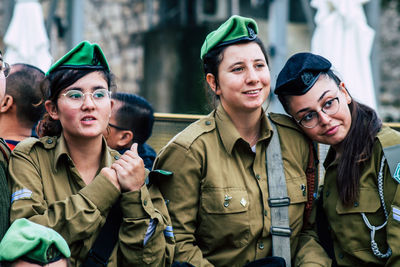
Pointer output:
x,y
4,157
131,121
20,109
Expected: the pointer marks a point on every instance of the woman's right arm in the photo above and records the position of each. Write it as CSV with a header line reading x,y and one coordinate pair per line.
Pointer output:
x,y
181,192
75,217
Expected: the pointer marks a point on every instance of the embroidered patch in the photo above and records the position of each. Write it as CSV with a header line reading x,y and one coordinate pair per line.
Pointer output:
x,y
396,213
23,193
396,174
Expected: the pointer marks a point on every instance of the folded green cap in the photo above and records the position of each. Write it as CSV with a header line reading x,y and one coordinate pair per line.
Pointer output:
x,y
235,29
83,56
32,242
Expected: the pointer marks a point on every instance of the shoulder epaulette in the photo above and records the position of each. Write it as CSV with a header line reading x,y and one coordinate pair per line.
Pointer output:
x,y
27,144
390,141
193,131
284,120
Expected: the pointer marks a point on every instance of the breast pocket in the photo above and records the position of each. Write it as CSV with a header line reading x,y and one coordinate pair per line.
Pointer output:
x,y
349,226
224,217
297,192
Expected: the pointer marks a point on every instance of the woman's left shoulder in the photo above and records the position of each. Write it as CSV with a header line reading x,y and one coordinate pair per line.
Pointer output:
x,y
284,121
388,137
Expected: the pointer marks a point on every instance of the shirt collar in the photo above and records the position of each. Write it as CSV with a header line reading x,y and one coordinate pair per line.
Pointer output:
x,y
228,132
61,151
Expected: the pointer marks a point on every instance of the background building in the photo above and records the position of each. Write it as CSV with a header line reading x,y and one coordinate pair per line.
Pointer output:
x,y
153,46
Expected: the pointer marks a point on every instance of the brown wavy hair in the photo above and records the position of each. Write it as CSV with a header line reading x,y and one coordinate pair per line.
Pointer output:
x,y
51,87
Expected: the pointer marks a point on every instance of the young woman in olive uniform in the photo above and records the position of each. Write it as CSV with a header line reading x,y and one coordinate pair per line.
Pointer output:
x,y
361,187
218,194
70,179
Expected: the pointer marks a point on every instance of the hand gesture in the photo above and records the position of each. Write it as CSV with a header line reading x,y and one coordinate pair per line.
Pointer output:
x,y
130,170
111,175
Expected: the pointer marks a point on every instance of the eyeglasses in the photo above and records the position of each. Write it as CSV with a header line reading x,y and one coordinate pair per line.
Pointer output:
x,y
76,97
5,68
311,119
117,127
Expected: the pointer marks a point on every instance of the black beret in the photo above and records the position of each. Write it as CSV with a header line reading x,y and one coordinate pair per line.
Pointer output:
x,y
300,73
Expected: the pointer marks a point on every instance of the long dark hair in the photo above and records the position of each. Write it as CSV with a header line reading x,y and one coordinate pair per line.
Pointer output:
x,y
213,59
358,144
51,87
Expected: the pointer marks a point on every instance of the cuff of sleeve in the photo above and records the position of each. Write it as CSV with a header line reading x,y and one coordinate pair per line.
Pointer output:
x,y
101,192
136,204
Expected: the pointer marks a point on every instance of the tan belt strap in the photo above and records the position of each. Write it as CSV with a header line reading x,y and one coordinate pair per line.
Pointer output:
x,y
278,200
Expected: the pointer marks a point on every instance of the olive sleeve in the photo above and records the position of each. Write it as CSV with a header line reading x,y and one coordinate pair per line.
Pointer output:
x,y
75,217
142,239
182,193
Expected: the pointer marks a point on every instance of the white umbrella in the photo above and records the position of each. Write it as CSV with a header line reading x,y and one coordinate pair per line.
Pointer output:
x,y
26,38
343,36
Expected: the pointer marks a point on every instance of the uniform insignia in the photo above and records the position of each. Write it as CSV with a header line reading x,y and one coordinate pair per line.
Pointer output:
x,y
396,213
396,174
23,193
227,199
243,202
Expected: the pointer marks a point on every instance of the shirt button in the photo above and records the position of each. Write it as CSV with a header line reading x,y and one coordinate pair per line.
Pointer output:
x,y
258,177
49,141
208,122
265,213
356,204
261,245
116,157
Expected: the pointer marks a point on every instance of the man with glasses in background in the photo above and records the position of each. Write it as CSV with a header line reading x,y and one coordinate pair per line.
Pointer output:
x,y
4,156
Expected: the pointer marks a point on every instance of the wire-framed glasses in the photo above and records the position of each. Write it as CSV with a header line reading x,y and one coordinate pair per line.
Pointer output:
x,y
311,119
5,68
77,97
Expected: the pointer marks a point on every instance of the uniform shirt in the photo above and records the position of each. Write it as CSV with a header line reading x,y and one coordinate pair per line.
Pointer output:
x,y
4,191
351,237
218,194
47,189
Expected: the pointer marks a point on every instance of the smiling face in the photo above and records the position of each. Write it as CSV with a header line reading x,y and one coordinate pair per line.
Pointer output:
x,y
88,119
243,78
331,129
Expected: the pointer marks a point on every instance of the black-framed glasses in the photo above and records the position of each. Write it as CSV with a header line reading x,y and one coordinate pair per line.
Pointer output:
x,y
311,119
117,127
5,68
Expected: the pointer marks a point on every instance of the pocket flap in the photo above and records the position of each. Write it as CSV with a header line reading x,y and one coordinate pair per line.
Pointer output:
x,y
368,202
224,200
297,189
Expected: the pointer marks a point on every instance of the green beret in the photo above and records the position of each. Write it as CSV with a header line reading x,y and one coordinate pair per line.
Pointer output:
x,y
234,30
83,56
32,242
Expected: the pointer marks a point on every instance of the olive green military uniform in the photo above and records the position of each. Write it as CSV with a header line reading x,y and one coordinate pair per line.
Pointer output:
x,y
47,189
218,194
351,237
4,191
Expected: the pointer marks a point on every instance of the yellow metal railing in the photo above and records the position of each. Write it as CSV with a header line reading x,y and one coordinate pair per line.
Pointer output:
x,y
167,125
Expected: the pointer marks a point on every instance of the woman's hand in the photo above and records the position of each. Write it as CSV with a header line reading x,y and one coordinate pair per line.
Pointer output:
x,y
111,175
130,170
